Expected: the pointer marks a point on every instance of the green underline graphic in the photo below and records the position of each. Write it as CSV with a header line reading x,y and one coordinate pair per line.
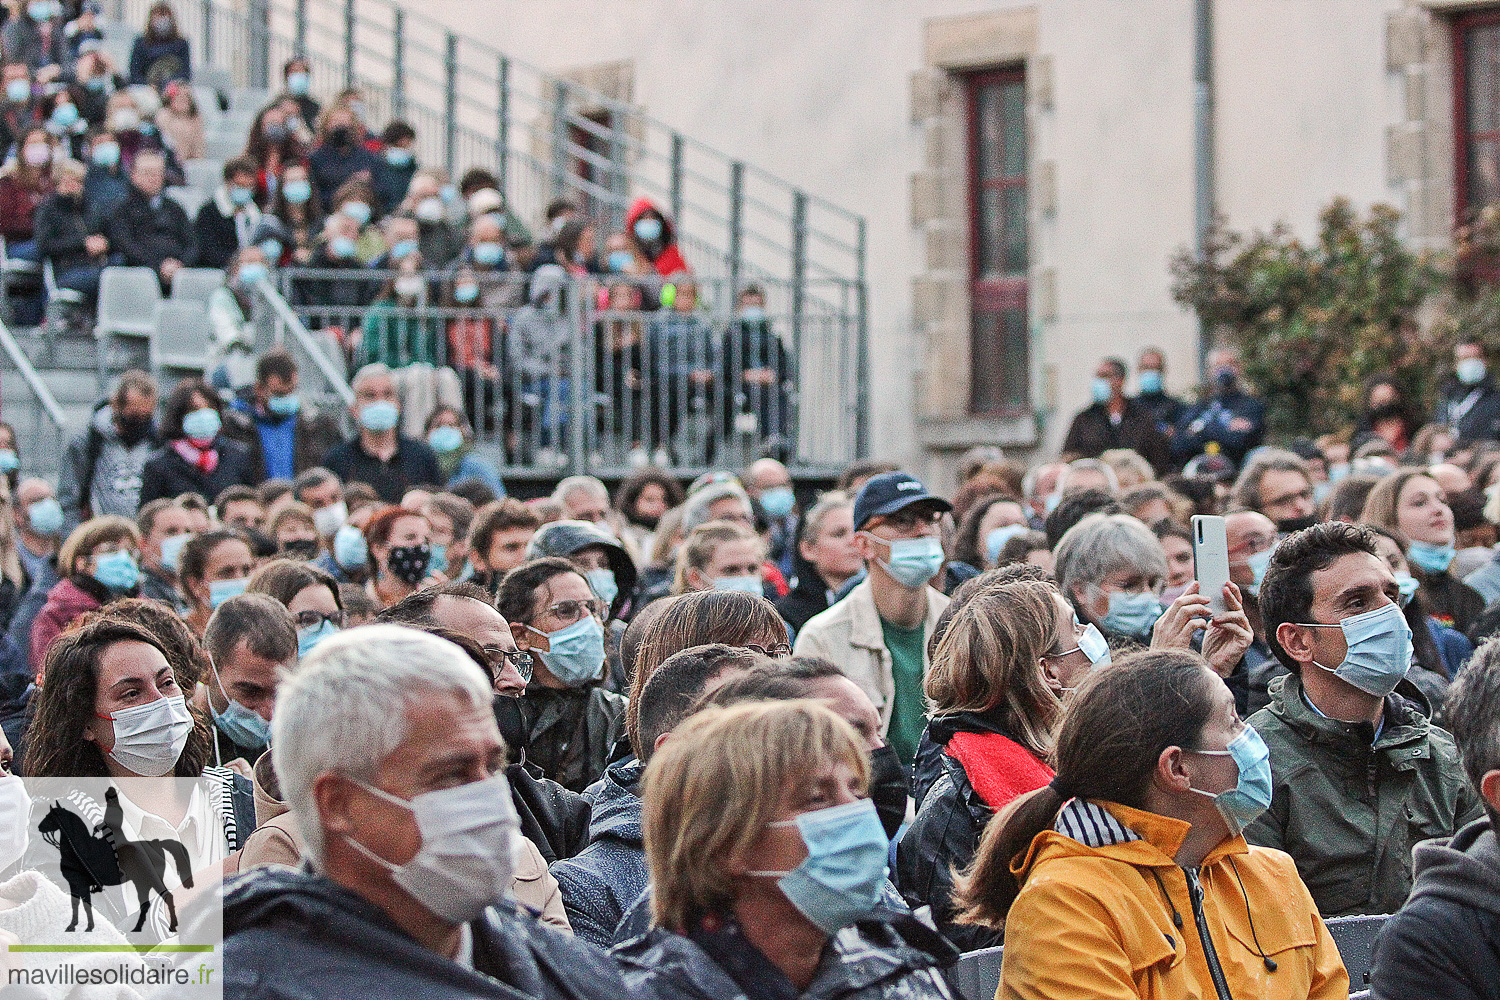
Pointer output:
x,y
90,948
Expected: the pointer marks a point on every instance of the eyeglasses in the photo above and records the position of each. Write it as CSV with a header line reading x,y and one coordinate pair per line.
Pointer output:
x,y
315,619
775,652
518,659
571,611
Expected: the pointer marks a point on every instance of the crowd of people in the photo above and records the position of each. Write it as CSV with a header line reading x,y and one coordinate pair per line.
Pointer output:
x,y
432,275
725,738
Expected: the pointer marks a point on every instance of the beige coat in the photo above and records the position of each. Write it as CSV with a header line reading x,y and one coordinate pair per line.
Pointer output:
x,y
848,635
277,841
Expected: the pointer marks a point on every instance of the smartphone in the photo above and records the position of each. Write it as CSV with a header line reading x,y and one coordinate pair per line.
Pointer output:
x,y
1211,559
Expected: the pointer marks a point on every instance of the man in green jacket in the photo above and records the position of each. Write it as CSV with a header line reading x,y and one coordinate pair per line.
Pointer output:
x,y
1360,774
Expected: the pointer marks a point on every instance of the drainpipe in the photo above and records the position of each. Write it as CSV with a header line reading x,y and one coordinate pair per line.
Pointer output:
x,y
1203,147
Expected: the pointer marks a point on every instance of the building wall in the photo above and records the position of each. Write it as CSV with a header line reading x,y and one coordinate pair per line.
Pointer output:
x,y
853,100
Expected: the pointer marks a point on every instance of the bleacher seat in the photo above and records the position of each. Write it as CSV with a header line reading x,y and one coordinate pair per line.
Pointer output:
x,y
207,100
223,145
203,174
16,275
191,199
247,101
196,284
1355,938
127,302
183,337
976,974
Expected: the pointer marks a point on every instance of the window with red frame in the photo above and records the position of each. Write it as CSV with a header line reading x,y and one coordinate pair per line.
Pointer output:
x,y
1000,357
1476,112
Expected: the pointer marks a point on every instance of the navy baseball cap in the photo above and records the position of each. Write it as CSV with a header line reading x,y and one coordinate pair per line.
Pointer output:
x,y
889,492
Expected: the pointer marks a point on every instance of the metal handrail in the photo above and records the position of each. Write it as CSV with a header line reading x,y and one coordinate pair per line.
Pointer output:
x,y
292,322
33,380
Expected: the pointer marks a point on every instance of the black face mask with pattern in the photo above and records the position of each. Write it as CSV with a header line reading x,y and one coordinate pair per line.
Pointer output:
x,y
408,563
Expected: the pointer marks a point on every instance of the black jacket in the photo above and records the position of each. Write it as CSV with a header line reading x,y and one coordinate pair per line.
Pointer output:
x,y
553,818
216,236
571,732
62,225
1092,433
413,464
294,935
1445,941
168,474
1479,420
146,236
808,597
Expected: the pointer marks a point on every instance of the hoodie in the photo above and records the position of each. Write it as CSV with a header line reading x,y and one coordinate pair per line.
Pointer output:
x,y
601,882
1445,941
540,331
295,935
107,467
669,261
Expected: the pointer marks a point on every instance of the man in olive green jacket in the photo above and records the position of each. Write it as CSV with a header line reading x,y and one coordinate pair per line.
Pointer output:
x,y
1360,774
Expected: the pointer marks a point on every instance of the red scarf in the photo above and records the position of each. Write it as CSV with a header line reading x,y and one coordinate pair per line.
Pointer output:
x,y
206,459
999,768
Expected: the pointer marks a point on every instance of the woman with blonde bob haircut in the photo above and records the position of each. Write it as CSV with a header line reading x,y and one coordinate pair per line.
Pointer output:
x,y
995,693
747,809
1128,871
719,555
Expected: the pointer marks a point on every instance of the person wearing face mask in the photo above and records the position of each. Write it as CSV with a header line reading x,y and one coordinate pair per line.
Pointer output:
x,y
148,229
227,221
1152,395
1135,847
1350,738
1250,537
35,37
452,439
770,485
397,335
400,555
68,233
600,883
999,675
102,465
196,458
572,720
1468,400
411,837
1230,416
1439,652
295,533
98,563
213,567
379,454
25,183
296,74
654,238
287,435
1414,504
770,876
720,555
1113,420
106,184
338,155
756,371
1278,484
398,164
437,237
878,633
160,55
252,643
310,595
597,554
166,528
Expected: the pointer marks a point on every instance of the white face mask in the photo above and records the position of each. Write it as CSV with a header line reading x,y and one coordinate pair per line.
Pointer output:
x,y
331,518
467,859
149,738
15,820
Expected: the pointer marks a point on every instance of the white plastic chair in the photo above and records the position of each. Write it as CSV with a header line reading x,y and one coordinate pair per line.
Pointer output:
x,y
183,339
196,284
127,302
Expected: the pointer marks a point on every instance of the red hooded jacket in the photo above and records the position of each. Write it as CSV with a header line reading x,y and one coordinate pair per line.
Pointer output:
x,y
669,261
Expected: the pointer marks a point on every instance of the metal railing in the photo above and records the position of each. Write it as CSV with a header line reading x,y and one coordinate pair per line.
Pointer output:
x,y
591,380
289,331
46,438
544,136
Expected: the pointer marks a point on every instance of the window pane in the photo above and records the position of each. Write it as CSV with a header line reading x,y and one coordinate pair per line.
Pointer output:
x,y
1483,75
1000,362
990,231
1484,173
1014,237
987,105
1013,130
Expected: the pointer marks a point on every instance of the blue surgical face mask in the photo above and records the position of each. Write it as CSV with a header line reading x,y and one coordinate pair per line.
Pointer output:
x,y
251,274
350,550
1407,585
1100,389
341,247
202,424
171,551
284,406
1251,795
1132,614
379,416
648,230
396,156
488,253
220,591
356,210
996,539
778,501
1151,381
620,261
602,582
308,638
117,570
18,91
1258,564
445,439
272,249
914,561
840,880
403,249
1470,371
297,191
1379,652
9,460
243,727
576,655
241,195
748,584
46,516
106,154
1431,558
64,116
437,558
298,83
465,292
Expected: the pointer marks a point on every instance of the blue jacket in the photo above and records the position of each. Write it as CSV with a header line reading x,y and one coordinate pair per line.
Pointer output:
x,y
600,883
294,935
473,466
